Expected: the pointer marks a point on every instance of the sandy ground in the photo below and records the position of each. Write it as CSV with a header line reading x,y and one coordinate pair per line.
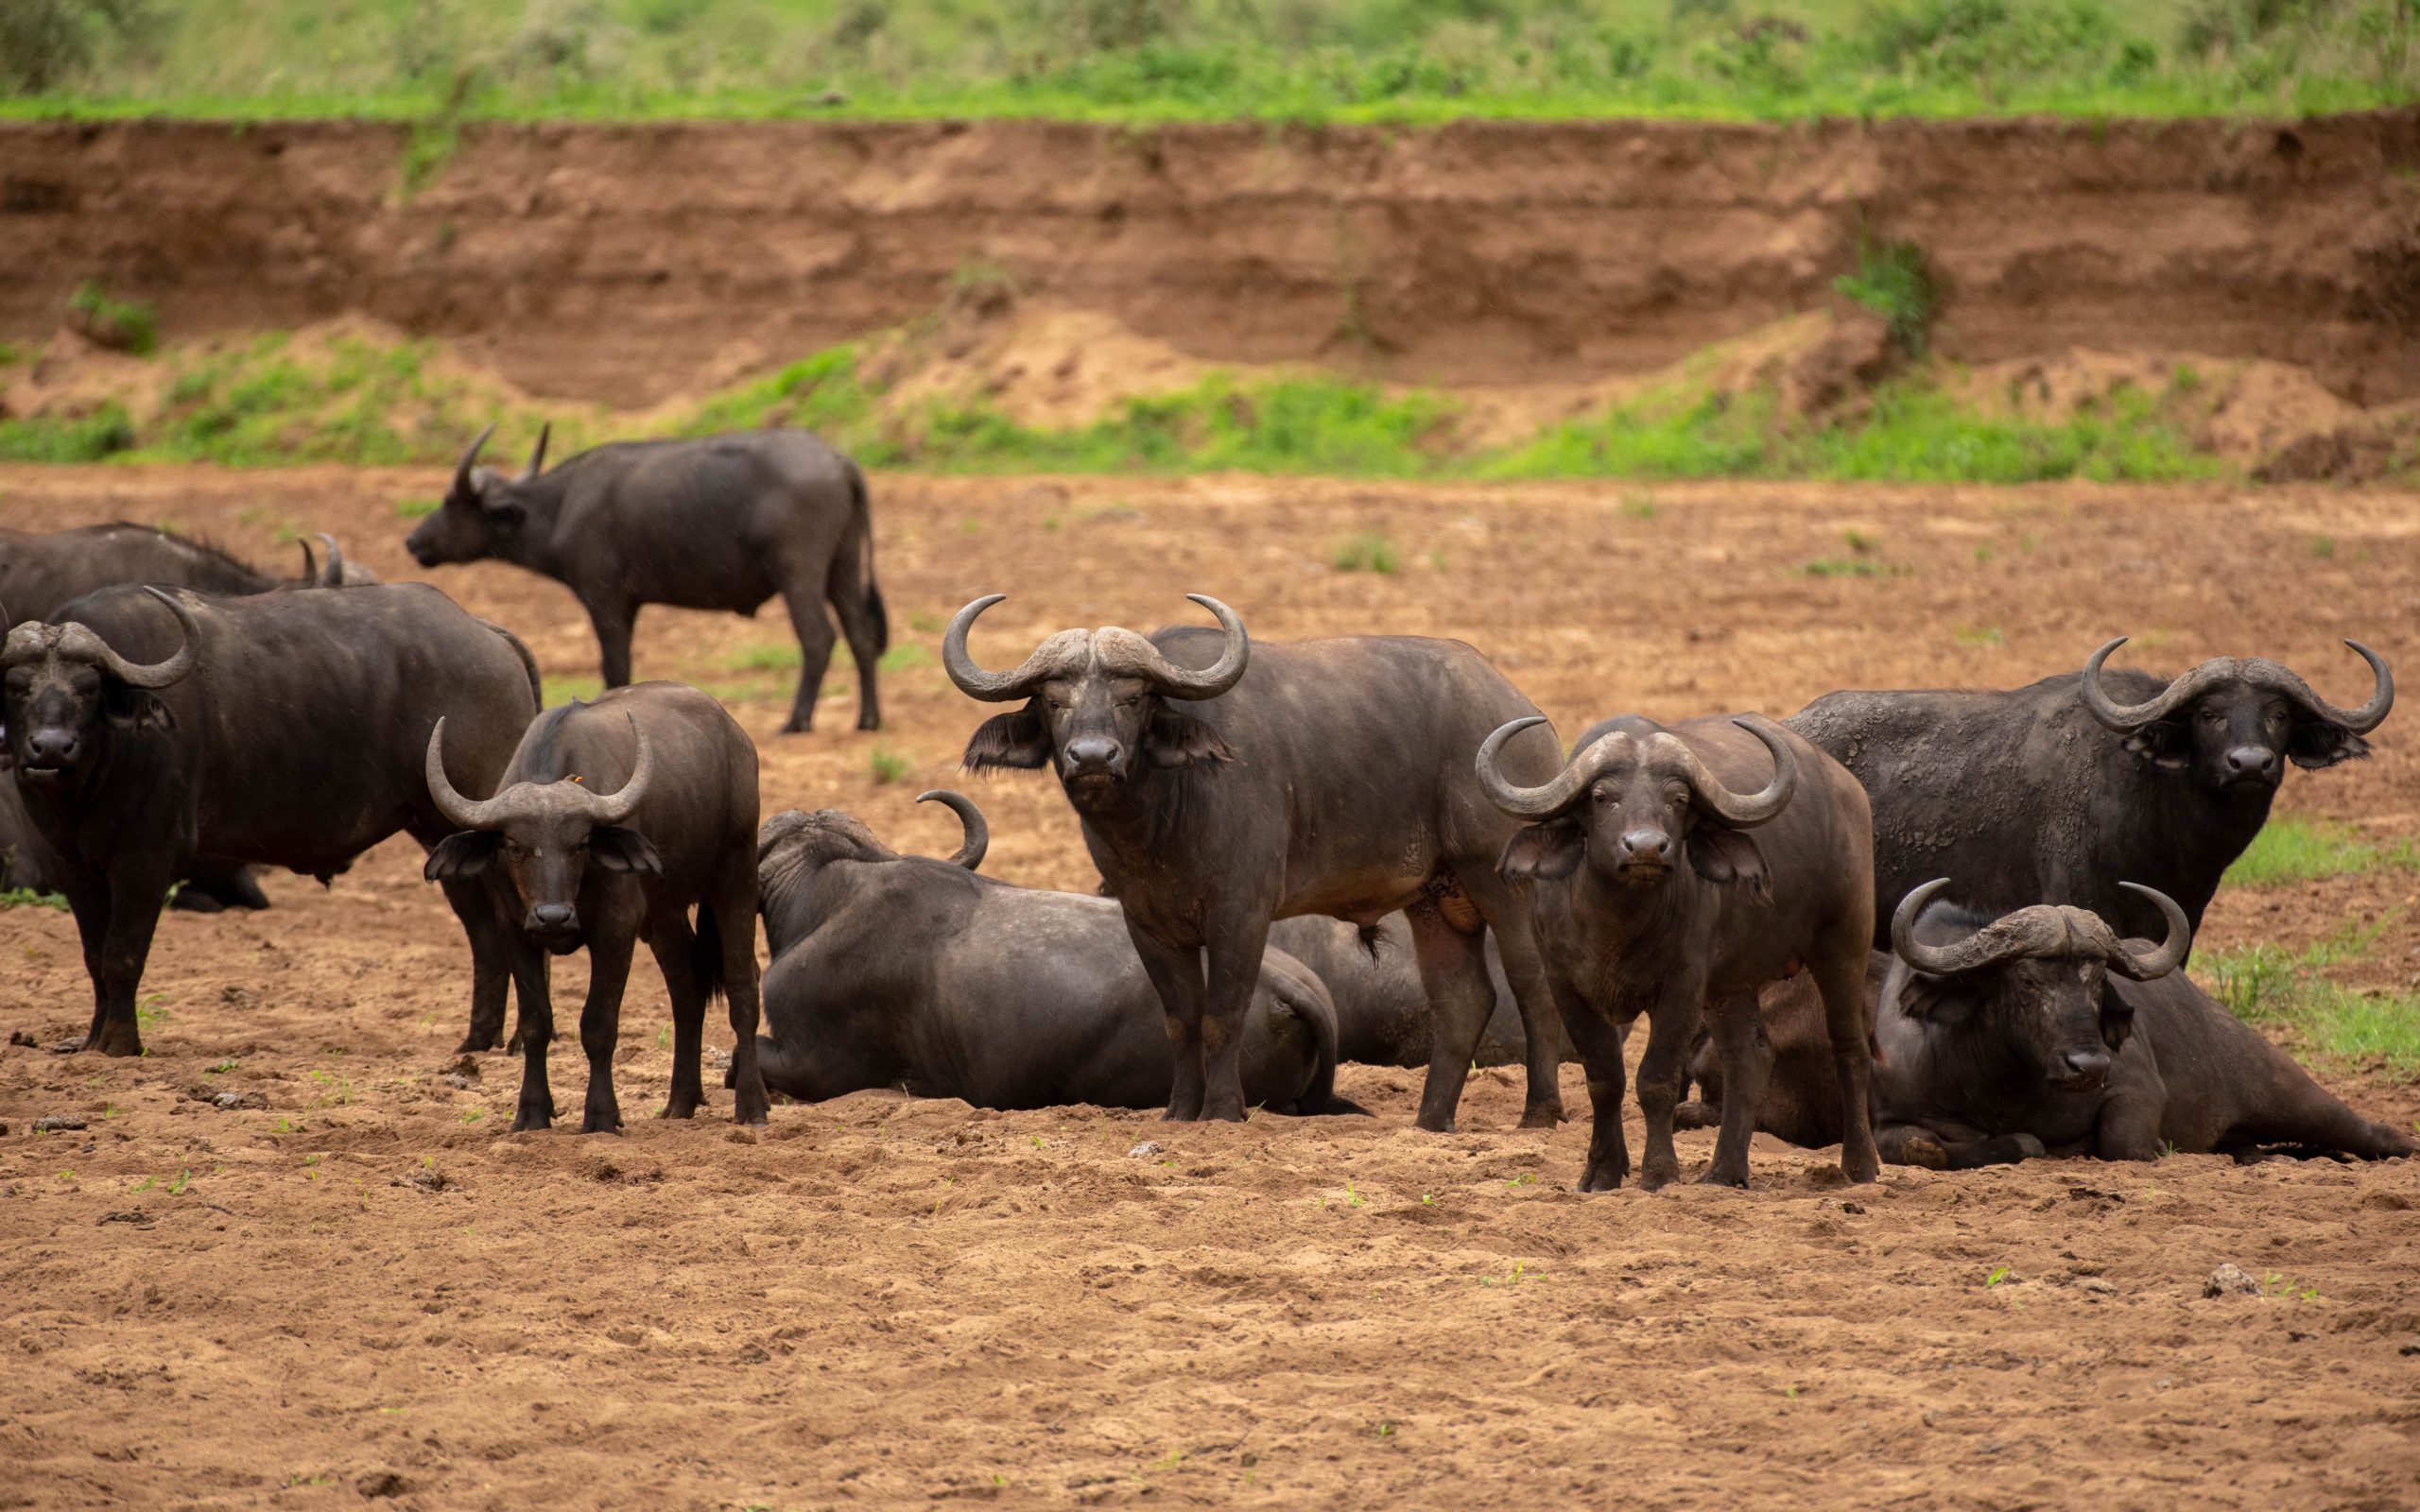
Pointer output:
x,y
366,1289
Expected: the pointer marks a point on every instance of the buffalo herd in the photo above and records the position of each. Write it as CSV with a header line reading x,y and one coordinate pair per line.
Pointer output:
x,y
1940,928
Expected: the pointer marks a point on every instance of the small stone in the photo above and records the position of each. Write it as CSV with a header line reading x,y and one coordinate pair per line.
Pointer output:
x,y
230,1102
2096,1286
18,1037
455,1080
2410,1347
743,1136
57,1125
1141,1152
2230,1279
1858,1208
718,1058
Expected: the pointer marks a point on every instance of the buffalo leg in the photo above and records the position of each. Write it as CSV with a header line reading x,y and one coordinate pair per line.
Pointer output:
x,y
814,628
533,1032
846,591
1525,969
1599,1048
735,926
1176,972
600,1026
116,958
614,623
674,944
1747,1061
1671,1025
1848,1027
475,904
1915,1144
1452,973
1232,969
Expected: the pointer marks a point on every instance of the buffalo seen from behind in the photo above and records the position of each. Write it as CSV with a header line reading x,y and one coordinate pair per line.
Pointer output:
x,y
1675,870
148,730
2047,794
904,970
1222,783
610,821
721,523
2041,1031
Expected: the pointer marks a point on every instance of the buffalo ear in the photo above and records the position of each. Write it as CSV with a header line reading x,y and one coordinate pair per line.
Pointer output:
x,y
2167,743
1173,739
2116,1017
1721,853
1544,852
1014,740
2318,743
618,849
465,854
501,508
133,709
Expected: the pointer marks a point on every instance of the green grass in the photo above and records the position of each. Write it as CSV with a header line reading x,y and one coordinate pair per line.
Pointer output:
x,y
2272,987
122,325
442,61
27,898
561,690
1892,281
2295,849
1366,551
887,765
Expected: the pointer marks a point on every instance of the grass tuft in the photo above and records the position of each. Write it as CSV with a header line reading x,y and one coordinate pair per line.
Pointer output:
x,y
2297,850
1365,551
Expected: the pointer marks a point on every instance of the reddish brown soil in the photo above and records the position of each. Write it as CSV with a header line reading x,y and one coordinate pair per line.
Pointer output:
x,y
367,1287
629,263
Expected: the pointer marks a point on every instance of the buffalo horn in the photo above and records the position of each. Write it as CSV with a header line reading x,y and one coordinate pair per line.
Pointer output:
x,y
2145,965
1176,683
991,687
612,808
2126,718
158,674
537,452
1938,960
1558,792
1744,811
332,568
463,813
2361,721
462,469
978,835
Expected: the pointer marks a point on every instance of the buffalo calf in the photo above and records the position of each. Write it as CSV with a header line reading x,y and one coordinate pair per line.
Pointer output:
x,y
611,819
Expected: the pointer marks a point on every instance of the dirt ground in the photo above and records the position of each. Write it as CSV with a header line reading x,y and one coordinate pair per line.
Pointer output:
x,y
367,1289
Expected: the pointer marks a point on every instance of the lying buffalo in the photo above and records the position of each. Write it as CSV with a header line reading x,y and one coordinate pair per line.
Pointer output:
x,y
1382,1008
148,729
1220,784
40,573
613,819
891,970
2043,794
2041,1031
1670,873
725,522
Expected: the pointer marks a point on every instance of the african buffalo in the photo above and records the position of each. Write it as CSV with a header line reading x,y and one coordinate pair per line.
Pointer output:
x,y
1667,873
725,522
613,819
41,572
2041,1031
1220,784
892,969
1382,1008
147,729
2045,794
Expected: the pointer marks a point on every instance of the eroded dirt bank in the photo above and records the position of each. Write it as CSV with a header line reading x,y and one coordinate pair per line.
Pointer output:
x,y
627,263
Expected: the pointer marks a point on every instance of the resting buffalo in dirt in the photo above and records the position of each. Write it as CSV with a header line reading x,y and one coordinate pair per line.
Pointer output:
x,y
40,573
147,730
613,819
1220,784
1382,1008
725,522
2046,793
1669,870
2041,1031
892,969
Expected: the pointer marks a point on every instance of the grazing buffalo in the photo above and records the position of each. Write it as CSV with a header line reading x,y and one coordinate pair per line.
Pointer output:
x,y
1382,1008
40,573
2045,794
613,819
1220,784
1668,872
891,970
2041,1031
149,729
725,522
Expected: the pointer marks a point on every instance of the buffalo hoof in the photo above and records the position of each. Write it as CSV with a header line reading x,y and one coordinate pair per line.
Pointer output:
x,y
533,1118
117,1041
799,726
1862,1167
608,1121
1541,1115
875,723
1719,1175
2030,1148
1604,1177
1656,1178
475,1041
1429,1124
1925,1153
194,901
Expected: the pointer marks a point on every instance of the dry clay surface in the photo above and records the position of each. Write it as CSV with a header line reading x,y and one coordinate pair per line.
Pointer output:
x,y
366,1288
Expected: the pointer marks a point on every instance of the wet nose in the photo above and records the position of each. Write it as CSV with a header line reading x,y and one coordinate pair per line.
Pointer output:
x,y
1092,753
1648,845
553,917
2085,1065
51,747
2252,761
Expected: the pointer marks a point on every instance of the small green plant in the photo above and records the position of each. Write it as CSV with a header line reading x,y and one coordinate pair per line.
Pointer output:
x,y
220,1067
122,325
1365,551
1352,1197
1976,635
185,1178
2323,547
765,656
1850,567
887,765
1892,280
1861,543
1382,1429
1525,1178
2291,849
905,657
1639,506
473,1115
151,1010
1519,1273
1999,1274
27,898
416,508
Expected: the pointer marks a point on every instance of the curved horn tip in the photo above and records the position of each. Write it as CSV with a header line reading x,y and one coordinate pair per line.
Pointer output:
x,y
2171,952
1903,924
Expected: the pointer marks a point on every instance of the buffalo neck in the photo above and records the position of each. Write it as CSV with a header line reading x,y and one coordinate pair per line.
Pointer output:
x,y
1134,819
2202,833
1632,942
536,544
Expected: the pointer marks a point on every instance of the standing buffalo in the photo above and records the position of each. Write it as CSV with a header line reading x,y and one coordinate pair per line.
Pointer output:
x,y
148,730
893,969
1220,784
725,522
2043,1032
1651,895
2043,794
613,819
40,573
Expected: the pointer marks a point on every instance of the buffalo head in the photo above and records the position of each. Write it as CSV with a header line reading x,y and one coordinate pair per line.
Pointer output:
x,y
1634,804
2040,974
549,833
2233,723
63,688
793,847
1097,702
483,511
333,570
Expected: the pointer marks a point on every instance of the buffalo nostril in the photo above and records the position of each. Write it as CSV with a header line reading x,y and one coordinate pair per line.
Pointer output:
x,y
1093,756
2086,1063
552,916
1647,845
2252,759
